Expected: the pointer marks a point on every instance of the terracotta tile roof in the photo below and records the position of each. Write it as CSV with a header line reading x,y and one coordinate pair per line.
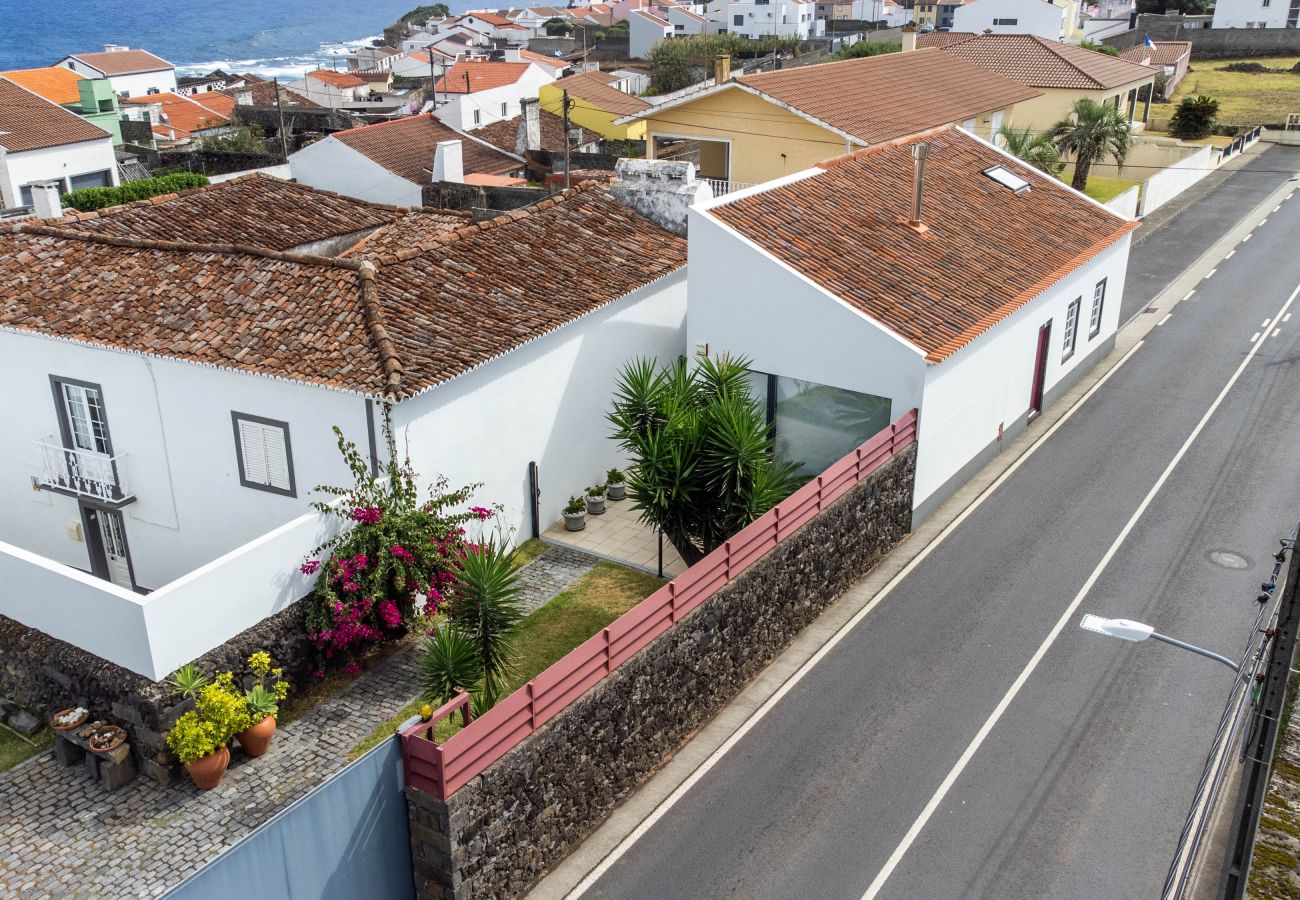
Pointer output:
x,y
406,147
414,228
184,114
252,210
478,178
374,77
491,18
217,102
262,93
987,253
123,62
1166,53
28,122
683,11
593,89
646,14
337,79
505,132
53,83
1038,62
392,326
908,92
482,76
931,39
538,58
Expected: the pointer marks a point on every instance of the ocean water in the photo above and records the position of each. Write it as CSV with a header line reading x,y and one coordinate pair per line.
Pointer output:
x,y
270,37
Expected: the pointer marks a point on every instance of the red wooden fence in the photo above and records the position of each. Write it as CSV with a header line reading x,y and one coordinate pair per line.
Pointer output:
x,y
440,769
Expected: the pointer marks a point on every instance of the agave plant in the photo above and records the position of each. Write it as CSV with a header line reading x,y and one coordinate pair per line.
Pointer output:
x,y
188,680
449,661
486,610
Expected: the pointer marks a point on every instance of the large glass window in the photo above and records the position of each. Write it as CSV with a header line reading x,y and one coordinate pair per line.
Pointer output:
x,y
816,424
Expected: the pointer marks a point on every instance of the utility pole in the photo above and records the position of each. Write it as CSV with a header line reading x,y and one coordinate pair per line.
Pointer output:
x,y
433,79
566,103
279,106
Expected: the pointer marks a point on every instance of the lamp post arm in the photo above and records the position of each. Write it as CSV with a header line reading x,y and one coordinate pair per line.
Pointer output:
x,y
1200,651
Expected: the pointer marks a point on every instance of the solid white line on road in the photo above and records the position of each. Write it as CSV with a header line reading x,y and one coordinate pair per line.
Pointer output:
x,y
1188,295
694,778
1210,274
1230,253
980,736
1167,317
1254,337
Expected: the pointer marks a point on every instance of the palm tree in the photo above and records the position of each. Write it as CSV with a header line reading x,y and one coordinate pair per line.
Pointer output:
x,y
1091,131
1033,147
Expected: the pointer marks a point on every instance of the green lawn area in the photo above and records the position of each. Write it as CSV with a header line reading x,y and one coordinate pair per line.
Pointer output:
x,y
1244,99
595,600
1099,188
15,748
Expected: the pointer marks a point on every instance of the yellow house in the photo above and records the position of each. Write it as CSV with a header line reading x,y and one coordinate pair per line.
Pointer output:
x,y
754,128
1063,73
596,100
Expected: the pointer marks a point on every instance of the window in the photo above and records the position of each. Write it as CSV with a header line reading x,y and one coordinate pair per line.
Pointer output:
x,y
1264,3
504,114
1098,301
477,117
1008,179
105,105
738,20
1012,21
82,420
152,91
264,454
1071,328
92,179
816,424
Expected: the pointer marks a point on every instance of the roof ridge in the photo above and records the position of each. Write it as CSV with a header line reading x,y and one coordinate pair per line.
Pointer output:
x,y
862,60
373,310
872,149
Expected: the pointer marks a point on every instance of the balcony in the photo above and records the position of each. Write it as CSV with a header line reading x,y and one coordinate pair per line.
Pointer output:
x,y
83,474
722,186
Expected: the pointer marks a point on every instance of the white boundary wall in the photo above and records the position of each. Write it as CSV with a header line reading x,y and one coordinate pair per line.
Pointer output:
x,y
1126,204
1164,186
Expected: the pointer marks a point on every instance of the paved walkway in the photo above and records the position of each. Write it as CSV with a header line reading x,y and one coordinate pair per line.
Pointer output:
x,y
61,836
618,534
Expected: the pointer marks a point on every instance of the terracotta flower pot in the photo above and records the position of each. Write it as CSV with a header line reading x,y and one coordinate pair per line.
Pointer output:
x,y
257,739
207,771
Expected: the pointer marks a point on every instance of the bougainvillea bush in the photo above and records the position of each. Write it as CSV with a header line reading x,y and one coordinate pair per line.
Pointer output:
x,y
397,561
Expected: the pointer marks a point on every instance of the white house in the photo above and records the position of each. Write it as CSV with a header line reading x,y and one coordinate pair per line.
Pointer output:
x,y
43,142
1256,14
165,415
1011,17
133,73
782,18
979,310
418,41
645,28
496,26
686,20
391,162
479,92
416,64
326,87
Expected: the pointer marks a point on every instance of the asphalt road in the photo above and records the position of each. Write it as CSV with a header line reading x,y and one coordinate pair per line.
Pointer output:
x,y
1079,790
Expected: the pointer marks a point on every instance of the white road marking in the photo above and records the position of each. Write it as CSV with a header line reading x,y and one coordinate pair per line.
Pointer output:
x,y
1230,253
1210,274
897,856
1263,221
1188,295
1254,337
1286,318
1167,317
714,758
1248,237
1279,206
1264,324
1276,332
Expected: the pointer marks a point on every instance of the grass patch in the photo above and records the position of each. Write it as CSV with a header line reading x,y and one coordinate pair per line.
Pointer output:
x,y
1244,99
594,600
529,551
16,748
1100,188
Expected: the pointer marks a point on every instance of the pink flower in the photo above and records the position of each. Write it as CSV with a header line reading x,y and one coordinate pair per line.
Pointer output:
x,y
402,553
481,511
351,668
368,514
391,615
310,567
318,674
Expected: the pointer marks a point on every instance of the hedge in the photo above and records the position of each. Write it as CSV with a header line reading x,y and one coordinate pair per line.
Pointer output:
x,y
89,199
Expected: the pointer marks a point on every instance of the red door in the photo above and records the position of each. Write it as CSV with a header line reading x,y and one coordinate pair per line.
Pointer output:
x,y
1040,370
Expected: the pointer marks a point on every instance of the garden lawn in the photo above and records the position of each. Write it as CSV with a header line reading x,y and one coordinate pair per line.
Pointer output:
x,y
15,748
1099,188
1244,99
594,600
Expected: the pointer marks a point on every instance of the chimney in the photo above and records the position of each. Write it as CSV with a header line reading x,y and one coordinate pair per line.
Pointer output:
x,y
530,124
45,200
447,165
920,153
115,48
511,54
721,68
909,37
660,190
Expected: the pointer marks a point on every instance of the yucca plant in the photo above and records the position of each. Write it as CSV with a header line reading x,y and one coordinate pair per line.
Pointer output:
x,y
486,609
449,660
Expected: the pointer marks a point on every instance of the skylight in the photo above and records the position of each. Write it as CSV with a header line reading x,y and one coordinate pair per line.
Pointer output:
x,y
1008,179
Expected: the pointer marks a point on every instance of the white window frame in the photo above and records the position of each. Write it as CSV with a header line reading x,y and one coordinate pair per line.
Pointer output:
x,y
92,436
1098,306
1071,330
283,483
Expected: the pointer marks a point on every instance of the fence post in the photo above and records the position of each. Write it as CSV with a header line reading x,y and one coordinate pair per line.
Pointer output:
x,y
776,524
726,566
532,708
608,667
441,767
672,601
819,493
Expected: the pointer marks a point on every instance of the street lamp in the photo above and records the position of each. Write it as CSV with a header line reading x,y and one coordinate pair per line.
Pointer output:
x,y
1128,630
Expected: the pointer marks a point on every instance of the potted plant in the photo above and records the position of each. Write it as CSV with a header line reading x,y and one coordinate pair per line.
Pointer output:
x,y
263,704
575,515
68,719
199,737
596,500
615,485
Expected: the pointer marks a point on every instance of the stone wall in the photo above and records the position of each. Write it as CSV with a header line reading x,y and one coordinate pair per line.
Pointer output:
x,y
1210,43
47,674
500,833
470,197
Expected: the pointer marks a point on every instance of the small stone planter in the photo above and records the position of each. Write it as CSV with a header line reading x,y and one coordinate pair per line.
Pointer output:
x,y
575,521
596,505
616,491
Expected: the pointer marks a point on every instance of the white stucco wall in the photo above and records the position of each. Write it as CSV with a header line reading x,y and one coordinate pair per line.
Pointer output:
x,y
643,34
988,382
136,85
786,19
544,402
173,422
54,164
1241,13
334,166
459,113
1032,17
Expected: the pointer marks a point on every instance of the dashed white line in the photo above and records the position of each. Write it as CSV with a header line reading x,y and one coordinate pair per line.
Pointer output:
x,y
1188,295
1167,317
1275,209
987,728
1248,237
1263,221
1286,318
1264,324
1276,332
1254,337
1210,274
1230,252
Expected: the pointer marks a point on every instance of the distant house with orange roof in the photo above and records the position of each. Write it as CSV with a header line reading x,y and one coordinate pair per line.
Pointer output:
x,y
474,93
54,83
179,120
133,73
329,88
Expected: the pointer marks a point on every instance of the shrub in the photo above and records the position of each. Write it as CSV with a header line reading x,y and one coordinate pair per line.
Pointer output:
x,y
557,27
1099,48
220,712
486,610
449,661
675,64
90,199
247,139
399,559
868,48
1250,68
1194,117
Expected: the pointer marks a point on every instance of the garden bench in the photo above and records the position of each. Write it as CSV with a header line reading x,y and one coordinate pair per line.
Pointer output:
x,y
112,769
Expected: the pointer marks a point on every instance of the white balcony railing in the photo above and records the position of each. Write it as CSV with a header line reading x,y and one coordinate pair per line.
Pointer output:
x,y
82,473
722,186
